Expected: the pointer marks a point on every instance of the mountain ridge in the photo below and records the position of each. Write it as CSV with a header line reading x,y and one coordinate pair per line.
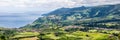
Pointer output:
x,y
105,14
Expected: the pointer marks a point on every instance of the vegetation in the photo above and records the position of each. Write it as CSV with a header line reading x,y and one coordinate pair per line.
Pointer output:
x,y
62,34
5,34
81,23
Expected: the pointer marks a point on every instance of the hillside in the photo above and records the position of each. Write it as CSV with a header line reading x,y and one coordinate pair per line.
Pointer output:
x,y
79,23
103,16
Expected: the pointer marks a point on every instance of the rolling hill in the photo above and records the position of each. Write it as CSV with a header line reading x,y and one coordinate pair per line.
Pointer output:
x,y
103,16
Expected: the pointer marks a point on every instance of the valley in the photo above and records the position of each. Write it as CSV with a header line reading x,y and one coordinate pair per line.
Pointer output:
x,y
79,23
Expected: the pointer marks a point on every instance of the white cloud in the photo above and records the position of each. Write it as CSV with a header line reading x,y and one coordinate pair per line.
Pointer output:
x,y
23,5
31,2
94,2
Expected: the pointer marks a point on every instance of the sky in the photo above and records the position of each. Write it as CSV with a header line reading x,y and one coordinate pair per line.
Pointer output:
x,y
17,13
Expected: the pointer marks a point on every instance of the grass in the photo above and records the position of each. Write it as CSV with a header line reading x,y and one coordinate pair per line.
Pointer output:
x,y
25,34
32,38
78,35
51,36
92,36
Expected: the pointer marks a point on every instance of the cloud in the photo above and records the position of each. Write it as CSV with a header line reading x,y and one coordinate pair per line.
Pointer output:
x,y
38,5
23,5
95,2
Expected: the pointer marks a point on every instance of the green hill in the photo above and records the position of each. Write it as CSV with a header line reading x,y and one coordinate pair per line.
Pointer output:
x,y
103,16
